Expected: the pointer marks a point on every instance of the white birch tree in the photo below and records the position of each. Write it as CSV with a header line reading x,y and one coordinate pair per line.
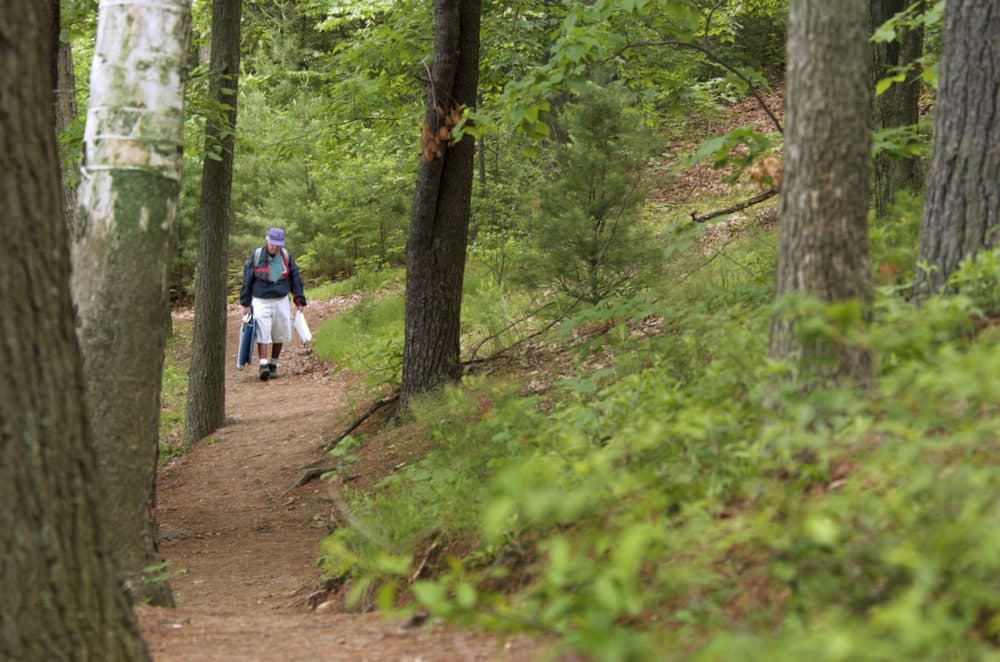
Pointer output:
x,y
130,181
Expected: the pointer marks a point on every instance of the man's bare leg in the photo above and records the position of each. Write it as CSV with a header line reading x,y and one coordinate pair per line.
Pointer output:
x,y
275,353
265,370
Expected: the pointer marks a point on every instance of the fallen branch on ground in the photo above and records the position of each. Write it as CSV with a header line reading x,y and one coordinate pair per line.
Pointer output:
x,y
308,477
757,199
423,561
751,88
312,474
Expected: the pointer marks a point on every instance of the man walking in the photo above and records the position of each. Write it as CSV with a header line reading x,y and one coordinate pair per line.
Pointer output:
x,y
269,276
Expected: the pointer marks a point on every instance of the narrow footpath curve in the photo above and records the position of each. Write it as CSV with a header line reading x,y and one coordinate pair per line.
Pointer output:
x,y
242,546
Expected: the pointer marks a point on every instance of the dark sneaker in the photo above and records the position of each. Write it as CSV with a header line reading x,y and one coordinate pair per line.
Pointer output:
x,y
273,368
265,372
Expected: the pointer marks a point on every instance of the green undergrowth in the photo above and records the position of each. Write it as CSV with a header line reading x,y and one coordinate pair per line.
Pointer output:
x,y
368,340
173,392
691,499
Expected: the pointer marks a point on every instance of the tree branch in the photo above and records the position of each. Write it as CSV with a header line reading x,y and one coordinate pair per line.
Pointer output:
x,y
475,350
502,352
757,199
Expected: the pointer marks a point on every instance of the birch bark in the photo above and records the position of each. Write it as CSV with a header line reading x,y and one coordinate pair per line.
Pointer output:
x,y
130,180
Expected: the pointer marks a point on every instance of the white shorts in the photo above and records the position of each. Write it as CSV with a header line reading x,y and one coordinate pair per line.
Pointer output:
x,y
274,320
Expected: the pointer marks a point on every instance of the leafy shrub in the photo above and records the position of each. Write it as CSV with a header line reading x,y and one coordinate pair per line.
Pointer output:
x,y
661,512
979,279
893,240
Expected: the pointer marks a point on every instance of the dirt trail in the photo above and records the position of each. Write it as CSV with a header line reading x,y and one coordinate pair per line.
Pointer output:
x,y
243,545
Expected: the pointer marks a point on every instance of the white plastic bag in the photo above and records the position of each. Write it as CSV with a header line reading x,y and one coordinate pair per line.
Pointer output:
x,y
302,328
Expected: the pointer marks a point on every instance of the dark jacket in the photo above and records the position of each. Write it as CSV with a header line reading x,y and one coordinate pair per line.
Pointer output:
x,y
257,284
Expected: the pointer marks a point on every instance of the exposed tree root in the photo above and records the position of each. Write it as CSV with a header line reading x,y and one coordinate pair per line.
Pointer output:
x,y
313,473
378,405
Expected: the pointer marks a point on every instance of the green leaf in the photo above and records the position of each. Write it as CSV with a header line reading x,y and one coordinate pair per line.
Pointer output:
x,y
930,74
711,147
885,83
884,34
466,595
822,530
385,598
392,564
496,518
574,52
607,595
430,594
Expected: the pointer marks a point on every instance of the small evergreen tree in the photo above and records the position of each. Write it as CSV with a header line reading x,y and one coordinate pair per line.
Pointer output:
x,y
587,232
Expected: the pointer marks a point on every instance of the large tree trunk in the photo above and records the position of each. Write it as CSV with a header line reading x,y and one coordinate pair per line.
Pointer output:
x,y
823,230
58,595
435,253
962,204
128,207
206,399
896,107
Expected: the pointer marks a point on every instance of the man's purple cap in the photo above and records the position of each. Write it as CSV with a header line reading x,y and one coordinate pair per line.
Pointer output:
x,y
276,236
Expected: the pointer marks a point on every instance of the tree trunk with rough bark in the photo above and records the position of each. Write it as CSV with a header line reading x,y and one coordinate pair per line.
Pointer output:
x,y
130,180
435,254
65,100
58,594
823,236
66,110
206,398
898,106
962,203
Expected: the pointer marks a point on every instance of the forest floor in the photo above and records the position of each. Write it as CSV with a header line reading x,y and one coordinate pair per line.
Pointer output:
x,y
242,541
